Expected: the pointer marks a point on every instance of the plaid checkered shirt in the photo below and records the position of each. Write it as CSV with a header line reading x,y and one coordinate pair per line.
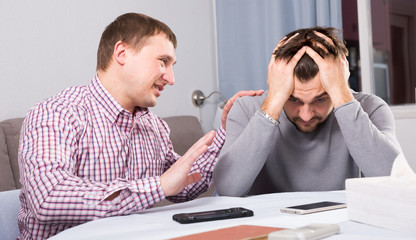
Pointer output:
x,y
81,146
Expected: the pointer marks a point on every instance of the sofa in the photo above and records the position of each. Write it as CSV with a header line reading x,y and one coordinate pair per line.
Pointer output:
x,y
9,143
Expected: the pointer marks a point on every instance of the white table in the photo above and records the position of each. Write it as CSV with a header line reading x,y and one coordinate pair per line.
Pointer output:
x,y
157,223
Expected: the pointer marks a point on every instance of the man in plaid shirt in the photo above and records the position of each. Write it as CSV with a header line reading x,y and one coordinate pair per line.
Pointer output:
x,y
97,151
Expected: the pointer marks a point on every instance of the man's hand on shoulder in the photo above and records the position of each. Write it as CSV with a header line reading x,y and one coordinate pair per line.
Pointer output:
x,y
231,101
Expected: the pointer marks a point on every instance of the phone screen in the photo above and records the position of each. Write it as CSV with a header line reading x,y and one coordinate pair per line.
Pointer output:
x,y
316,205
313,207
212,215
208,213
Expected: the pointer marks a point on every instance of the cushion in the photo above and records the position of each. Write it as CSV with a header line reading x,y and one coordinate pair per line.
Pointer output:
x,y
6,175
11,129
184,132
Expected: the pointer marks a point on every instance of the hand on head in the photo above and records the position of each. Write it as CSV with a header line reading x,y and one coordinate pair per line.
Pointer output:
x,y
280,80
333,71
334,74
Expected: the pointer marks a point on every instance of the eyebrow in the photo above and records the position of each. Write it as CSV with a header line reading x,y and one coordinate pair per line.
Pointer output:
x,y
321,95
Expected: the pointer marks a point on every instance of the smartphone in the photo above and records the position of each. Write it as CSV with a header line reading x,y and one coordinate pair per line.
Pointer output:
x,y
313,207
194,217
312,231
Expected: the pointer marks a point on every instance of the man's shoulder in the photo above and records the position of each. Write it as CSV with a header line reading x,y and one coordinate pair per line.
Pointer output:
x,y
251,101
70,98
246,105
369,100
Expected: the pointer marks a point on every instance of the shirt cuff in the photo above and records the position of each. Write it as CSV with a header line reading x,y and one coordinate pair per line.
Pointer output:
x,y
219,138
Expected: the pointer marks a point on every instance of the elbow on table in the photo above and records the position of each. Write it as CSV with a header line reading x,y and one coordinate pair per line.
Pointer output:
x,y
224,189
225,182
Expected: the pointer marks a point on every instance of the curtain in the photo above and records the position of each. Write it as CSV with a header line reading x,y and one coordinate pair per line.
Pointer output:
x,y
248,31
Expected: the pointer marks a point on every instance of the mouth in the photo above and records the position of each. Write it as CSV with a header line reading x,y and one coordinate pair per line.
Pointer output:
x,y
307,122
159,88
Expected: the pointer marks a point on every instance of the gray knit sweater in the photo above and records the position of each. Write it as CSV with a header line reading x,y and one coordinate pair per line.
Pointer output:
x,y
259,157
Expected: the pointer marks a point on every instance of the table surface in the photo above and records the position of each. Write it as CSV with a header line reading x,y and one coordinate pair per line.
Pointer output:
x,y
157,223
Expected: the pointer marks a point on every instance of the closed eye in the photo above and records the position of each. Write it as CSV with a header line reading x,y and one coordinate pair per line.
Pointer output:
x,y
294,100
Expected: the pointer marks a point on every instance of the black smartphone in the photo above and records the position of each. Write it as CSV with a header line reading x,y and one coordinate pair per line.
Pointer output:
x,y
194,217
313,207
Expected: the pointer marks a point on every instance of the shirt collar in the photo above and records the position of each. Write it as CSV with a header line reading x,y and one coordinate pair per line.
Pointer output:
x,y
110,106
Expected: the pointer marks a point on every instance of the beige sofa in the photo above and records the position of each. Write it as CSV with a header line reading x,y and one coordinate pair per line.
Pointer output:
x,y
185,130
9,142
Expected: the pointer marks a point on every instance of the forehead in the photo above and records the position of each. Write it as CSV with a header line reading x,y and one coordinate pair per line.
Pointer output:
x,y
159,44
307,91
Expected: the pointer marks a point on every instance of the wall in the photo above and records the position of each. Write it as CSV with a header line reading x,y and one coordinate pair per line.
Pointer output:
x,y
47,45
406,132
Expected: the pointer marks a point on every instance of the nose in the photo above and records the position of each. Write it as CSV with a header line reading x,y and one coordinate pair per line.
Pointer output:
x,y
306,112
168,76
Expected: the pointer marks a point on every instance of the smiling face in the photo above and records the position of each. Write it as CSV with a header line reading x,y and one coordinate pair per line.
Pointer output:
x,y
309,105
147,71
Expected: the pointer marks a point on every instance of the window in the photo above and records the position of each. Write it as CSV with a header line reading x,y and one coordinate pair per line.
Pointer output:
x,y
393,61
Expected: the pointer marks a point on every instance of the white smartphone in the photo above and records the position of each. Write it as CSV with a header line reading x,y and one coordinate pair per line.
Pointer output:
x,y
313,207
312,231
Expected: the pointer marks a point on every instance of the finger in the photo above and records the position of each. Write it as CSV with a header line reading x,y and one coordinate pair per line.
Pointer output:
x,y
185,163
244,93
198,148
193,178
231,101
325,37
314,55
284,41
295,59
294,35
344,58
259,92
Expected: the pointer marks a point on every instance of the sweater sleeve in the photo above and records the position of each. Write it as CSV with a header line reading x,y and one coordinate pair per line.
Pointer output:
x,y
249,138
369,132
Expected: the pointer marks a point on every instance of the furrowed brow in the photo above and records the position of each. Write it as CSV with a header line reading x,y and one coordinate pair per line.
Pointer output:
x,y
322,95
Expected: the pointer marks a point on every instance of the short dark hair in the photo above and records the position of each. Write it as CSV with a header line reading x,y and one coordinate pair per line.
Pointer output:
x,y
306,68
133,29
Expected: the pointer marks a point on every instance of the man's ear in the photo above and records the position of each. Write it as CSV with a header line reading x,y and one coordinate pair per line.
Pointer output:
x,y
119,54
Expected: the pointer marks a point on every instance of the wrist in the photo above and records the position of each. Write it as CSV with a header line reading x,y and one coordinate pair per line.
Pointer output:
x,y
269,118
341,98
272,106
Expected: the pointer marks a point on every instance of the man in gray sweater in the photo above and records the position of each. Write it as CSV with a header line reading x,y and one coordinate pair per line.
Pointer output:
x,y
309,131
